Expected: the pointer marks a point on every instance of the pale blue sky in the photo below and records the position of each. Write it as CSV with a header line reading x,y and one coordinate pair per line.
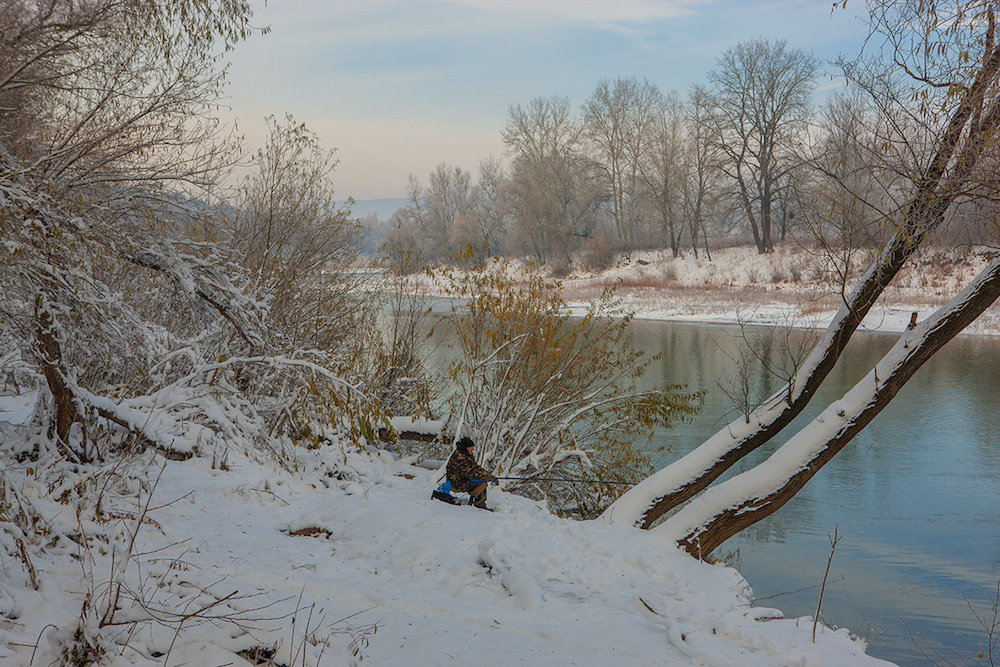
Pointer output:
x,y
398,86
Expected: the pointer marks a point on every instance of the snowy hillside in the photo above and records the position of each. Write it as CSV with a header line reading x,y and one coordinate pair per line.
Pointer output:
x,y
378,573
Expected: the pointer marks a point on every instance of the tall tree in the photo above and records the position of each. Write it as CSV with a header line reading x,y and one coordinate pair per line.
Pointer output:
x,y
448,201
620,124
761,97
848,186
554,190
434,213
700,187
491,206
664,170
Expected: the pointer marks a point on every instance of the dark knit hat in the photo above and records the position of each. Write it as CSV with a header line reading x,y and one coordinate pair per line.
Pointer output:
x,y
465,443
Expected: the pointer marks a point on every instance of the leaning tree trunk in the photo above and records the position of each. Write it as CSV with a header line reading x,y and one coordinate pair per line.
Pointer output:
x,y
944,179
745,499
680,481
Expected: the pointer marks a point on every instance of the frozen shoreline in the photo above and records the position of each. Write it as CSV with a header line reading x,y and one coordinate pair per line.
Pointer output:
x,y
791,287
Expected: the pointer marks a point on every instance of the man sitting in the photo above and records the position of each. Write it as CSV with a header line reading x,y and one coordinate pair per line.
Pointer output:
x,y
466,475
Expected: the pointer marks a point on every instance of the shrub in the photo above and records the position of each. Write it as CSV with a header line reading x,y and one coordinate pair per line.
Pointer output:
x,y
547,395
598,253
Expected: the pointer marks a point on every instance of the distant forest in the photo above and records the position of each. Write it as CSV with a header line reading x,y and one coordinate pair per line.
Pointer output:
x,y
750,156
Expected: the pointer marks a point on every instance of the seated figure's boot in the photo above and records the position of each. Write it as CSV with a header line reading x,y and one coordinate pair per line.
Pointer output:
x,y
478,496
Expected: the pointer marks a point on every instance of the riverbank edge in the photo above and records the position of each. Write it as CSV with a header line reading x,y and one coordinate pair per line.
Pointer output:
x,y
887,319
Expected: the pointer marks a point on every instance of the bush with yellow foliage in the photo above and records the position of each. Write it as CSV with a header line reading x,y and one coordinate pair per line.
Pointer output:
x,y
548,395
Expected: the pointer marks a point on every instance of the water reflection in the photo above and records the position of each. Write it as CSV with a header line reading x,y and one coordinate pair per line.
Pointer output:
x,y
915,495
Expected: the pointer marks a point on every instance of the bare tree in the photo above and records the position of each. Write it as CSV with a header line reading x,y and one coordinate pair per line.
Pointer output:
x,y
664,169
761,101
298,242
772,352
943,66
491,206
439,215
844,190
619,121
700,187
554,190
448,202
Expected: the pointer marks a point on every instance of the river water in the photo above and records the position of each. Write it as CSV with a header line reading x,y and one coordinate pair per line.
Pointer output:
x,y
915,497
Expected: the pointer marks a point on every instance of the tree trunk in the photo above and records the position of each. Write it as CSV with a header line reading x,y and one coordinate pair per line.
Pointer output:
x,y
765,217
753,226
680,481
747,498
49,355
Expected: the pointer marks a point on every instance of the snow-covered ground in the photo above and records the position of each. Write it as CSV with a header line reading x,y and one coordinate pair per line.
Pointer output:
x,y
791,286
387,575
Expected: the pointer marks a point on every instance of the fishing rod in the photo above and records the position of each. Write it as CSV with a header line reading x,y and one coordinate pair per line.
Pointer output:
x,y
560,479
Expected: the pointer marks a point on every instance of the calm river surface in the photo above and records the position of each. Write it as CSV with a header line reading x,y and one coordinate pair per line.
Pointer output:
x,y
916,496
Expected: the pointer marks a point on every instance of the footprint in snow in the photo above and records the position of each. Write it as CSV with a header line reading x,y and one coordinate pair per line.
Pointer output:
x,y
522,589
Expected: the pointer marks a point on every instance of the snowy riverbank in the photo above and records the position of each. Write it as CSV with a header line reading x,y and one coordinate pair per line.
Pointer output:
x,y
382,573
792,286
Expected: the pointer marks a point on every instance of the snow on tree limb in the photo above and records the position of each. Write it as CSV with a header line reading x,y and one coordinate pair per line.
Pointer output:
x,y
692,473
204,280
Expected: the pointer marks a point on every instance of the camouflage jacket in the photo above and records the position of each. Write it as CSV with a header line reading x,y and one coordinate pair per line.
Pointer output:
x,y
462,468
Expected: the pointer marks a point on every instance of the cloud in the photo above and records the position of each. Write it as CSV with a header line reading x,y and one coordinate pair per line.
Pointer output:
x,y
604,13
357,25
353,24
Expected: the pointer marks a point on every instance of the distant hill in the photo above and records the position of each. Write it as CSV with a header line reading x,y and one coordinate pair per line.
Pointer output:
x,y
382,208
